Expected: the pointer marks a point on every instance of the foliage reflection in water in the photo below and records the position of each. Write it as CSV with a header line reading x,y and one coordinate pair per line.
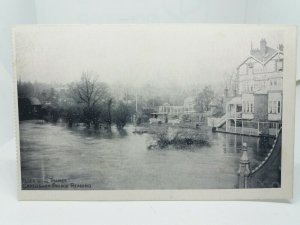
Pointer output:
x,y
120,159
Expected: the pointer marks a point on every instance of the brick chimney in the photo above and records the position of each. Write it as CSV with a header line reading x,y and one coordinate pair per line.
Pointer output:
x,y
263,46
280,47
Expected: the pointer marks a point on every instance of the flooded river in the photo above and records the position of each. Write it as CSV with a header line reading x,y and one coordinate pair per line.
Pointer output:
x,y
121,159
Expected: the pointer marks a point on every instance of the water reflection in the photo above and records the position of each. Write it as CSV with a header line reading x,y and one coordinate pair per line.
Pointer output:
x,y
120,159
257,147
106,133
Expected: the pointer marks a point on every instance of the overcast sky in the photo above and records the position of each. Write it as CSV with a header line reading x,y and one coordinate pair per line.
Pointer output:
x,y
185,54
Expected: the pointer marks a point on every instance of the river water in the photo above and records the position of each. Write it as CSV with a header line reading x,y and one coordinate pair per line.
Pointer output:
x,y
121,159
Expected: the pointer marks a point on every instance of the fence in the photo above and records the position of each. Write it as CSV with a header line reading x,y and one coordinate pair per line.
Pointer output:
x,y
248,178
253,128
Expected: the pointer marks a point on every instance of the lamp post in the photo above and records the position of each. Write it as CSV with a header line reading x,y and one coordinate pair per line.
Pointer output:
x,y
244,168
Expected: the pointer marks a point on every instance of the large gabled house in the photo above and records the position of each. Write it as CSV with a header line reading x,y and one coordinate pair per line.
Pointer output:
x,y
261,74
256,107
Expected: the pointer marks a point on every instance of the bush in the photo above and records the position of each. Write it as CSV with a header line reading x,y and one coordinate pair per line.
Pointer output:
x,y
121,115
180,137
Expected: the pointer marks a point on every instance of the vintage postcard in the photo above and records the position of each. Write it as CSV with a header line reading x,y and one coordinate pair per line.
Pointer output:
x,y
155,112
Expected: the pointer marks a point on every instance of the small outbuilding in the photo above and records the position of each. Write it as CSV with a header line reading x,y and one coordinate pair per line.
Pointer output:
x,y
29,108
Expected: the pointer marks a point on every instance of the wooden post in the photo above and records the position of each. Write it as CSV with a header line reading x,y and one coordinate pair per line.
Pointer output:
x,y
257,128
235,125
244,168
242,126
226,124
226,113
235,115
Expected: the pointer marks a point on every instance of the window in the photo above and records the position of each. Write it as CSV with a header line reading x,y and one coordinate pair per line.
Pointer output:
x,y
238,108
274,109
270,106
247,106
251,110
280,65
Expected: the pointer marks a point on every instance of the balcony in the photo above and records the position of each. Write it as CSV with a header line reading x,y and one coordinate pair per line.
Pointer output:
x,y
254,129
237,115
248,116
243,130
274,117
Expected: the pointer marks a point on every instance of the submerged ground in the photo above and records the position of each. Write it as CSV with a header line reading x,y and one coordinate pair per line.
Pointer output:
x,y
121,159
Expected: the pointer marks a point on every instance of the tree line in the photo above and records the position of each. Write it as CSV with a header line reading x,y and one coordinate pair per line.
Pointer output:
x,y
93,103
87,101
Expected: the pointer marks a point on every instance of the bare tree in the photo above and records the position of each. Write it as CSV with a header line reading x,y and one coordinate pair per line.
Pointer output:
x,y
204,98
92,95
109,103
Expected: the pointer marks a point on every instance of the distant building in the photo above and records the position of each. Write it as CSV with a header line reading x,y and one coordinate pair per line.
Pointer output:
x,y
171,109
188,107
29,108
256,105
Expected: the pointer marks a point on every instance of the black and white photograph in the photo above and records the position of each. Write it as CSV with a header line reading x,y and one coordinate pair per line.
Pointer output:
x,y
151,107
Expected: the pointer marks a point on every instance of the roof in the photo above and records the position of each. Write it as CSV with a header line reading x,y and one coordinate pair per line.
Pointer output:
x,y
48,106
34,101
214,102
263,56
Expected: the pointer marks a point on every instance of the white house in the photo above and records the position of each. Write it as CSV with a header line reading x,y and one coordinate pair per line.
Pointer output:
x,y
188,107
258,99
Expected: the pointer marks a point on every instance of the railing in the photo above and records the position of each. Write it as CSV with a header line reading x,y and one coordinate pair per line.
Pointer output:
x,y
243,130
273,131
235,115
253,128
275,149
256,178
250,131
221,121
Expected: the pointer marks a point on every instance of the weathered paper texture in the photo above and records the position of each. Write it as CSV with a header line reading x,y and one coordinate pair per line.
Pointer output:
x,y
155,112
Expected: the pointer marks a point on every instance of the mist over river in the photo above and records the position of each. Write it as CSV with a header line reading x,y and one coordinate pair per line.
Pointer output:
x,y
121,160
